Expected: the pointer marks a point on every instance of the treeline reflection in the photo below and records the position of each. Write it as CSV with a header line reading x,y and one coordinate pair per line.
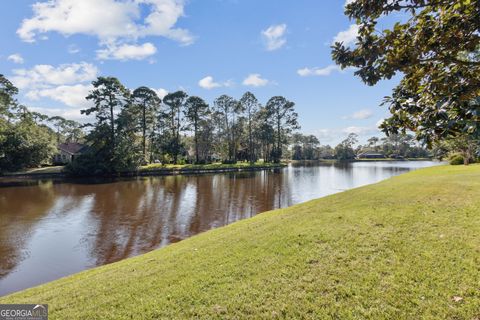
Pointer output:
x,y
74,226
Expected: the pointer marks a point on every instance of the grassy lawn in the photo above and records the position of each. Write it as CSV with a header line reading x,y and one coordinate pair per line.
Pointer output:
x,y
211,166
405,248
393,159
43,170
160,167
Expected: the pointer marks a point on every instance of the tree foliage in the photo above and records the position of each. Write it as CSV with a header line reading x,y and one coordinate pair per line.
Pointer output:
x,y
436,50
113,144
251,106
196,113
147,104
108,96
131,128
24,143
226,108
283,118
345,149
174,102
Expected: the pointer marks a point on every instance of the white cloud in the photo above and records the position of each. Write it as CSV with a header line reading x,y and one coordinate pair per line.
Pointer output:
x,y
70,114
127,52
161,93
114,23
326,136
44,75
305,72
274,37
348,36
72,96
333,136
361,131
360,115
209,83
347,2
255,80
16,58
66,83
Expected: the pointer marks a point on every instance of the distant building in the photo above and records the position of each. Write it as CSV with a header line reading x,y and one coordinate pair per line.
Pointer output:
x,y
397,156
371,155
68,151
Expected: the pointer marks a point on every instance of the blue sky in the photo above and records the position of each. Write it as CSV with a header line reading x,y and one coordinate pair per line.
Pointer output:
x,y
52,50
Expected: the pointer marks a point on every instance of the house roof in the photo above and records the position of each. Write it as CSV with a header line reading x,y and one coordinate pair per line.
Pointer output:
x,y
71,147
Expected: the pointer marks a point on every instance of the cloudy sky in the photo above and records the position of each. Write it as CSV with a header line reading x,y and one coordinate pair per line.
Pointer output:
x,y
52,50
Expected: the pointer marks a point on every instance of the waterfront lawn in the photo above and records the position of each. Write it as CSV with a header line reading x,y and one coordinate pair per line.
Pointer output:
x,y
405,248
36,171
210,166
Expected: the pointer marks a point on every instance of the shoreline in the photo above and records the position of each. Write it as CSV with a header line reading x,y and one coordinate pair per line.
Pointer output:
x,y
11,178
8,179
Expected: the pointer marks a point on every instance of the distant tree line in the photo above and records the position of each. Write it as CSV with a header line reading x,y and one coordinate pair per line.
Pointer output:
x,y
134,128
137,127
29,139
307,147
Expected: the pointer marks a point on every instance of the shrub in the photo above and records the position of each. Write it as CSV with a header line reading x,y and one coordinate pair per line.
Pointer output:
x,y
456,159
87,165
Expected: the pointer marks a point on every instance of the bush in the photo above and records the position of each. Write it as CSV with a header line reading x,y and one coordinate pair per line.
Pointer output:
x,y
456,159
87,165
25,145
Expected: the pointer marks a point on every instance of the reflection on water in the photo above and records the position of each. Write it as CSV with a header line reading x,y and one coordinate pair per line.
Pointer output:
x,y
54,229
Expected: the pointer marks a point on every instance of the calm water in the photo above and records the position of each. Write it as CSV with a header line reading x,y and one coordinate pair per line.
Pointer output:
x,y
52,230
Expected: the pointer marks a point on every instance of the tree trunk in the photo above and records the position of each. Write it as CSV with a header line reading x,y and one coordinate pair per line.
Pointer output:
x,y
112,125
279,147
174,135
250,141
466,158
144,133
177,140
196,140
234,141
229,138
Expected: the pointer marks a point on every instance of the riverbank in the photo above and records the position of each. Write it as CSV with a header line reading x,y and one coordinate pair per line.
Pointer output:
x,y
361,160
175,169
151,170
405,248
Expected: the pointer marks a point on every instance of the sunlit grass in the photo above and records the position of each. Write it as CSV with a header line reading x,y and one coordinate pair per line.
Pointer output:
x,y
405,248
210,166
43,170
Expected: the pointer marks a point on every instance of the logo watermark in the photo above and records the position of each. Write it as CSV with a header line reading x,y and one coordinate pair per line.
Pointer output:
x,y
23,311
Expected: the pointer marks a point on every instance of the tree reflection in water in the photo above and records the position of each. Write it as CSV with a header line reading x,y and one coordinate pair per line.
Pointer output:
x,y
52,230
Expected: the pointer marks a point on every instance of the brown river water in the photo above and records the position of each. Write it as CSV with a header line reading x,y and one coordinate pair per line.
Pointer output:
x,y
56,228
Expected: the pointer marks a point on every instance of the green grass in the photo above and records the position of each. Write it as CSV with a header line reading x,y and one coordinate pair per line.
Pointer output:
x,y
393,159
43,170
211,166
167,168
399,249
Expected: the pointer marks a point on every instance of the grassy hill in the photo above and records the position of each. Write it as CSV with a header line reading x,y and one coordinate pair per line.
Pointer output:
x,y
405,248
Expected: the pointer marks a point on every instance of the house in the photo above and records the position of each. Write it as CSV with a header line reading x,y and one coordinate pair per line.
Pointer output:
x,y
68,151
371,155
